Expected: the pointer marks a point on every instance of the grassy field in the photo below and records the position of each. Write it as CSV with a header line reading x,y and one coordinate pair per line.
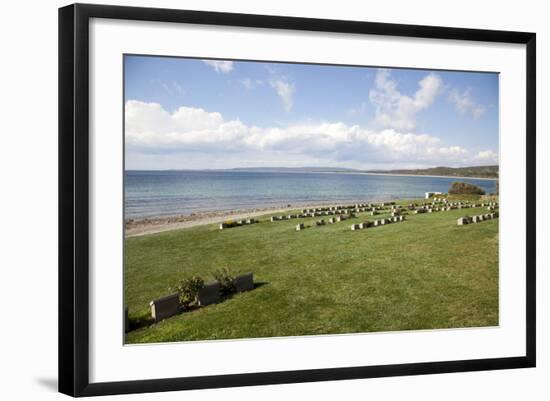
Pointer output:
x,y
423,273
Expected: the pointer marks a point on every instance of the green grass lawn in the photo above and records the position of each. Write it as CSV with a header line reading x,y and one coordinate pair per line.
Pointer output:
x,y
423,273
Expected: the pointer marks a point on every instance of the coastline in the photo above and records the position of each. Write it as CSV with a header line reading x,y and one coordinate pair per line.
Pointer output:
x,y
142,225
355,173
432,176
135,227
154,225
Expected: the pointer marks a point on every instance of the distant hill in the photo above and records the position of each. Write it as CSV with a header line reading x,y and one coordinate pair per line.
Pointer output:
x,y
476,171
298,169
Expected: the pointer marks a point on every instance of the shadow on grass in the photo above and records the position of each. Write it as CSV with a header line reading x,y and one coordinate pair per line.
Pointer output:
x,y
144,321
259,284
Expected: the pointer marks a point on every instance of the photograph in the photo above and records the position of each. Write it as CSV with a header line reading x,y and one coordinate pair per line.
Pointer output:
x,y
279,199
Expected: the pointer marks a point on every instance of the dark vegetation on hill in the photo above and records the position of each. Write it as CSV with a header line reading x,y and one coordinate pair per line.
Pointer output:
x,y
475,171
463,188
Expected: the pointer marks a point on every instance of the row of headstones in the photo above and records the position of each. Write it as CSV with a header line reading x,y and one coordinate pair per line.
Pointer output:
x,y
396,215
340,215
310,214
169,305
332,220
435,209
237,223
377,223
429,209
324,213
492,204
427,205
374,209
340,207
338,219
445,200
476,219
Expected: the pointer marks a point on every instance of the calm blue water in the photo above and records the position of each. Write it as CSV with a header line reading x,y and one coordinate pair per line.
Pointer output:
x,y
168,193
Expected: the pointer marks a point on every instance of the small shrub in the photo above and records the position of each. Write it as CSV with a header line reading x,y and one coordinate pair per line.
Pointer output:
x,y
461,188
226,280
188,290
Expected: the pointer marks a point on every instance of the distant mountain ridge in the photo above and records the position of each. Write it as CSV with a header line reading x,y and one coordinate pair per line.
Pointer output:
x,y
474,171
299,169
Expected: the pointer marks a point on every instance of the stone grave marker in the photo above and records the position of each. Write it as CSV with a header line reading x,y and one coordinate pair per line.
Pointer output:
x,y
164,307
244,282
209,294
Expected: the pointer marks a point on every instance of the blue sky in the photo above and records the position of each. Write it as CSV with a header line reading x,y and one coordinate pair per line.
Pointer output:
x,y
195,114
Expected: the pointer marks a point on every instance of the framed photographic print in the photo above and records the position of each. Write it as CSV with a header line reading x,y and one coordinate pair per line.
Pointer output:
x,y
251,199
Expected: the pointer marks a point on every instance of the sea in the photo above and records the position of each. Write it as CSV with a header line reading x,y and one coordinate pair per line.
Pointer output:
x,y
151,194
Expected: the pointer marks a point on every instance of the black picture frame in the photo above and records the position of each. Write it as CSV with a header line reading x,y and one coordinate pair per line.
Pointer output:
x,y
74,198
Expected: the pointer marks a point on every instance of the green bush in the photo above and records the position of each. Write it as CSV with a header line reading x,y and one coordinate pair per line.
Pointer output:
x,y
188,290
226,280
461,188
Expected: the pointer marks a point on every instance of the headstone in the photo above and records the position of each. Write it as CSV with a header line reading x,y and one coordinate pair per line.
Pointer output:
x,y
462,221
354,227
244,282
300,227
164,307
209,294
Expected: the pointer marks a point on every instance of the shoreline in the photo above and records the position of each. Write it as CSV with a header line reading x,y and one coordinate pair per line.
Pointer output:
x,y
154,225
348,172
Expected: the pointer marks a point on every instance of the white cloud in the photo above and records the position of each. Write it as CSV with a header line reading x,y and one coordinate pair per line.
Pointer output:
x,y
152,130
172,88
465,104
396,110
487,156
285,90
222,66
361,108
251,83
